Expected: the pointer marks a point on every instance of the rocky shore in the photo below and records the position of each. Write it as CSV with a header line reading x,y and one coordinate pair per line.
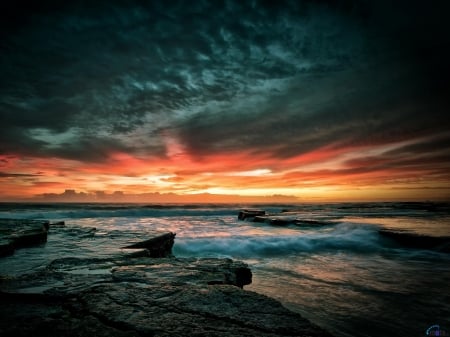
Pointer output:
x,y
147,292
16,234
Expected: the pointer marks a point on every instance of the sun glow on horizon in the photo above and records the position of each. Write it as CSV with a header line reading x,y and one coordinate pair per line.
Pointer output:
x,y
344,174
313,106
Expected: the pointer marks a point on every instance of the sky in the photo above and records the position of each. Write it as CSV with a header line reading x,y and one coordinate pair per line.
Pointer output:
x,y
168,101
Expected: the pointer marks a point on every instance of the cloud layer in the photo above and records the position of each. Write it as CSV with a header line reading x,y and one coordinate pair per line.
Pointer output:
x,y
178,85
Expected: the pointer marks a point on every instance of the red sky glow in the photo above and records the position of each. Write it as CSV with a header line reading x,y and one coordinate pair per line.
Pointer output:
x,y
225,103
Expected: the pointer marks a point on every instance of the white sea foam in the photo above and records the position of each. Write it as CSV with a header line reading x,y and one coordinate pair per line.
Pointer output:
x,y
347,237
343,277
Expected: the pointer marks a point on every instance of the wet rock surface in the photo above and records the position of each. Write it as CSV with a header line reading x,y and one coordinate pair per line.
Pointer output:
x,y
143,297
284,218
250,213
136,295
16,234
159,246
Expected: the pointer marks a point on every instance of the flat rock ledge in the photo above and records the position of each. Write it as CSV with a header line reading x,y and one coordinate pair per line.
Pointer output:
x,y
135,295
143,297
283,218
21,233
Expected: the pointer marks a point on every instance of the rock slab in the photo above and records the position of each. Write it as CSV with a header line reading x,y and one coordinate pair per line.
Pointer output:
x,y
134,295
20,233
158,246
143,297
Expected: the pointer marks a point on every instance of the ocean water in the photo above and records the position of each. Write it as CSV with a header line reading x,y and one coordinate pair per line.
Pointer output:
x,y
344,276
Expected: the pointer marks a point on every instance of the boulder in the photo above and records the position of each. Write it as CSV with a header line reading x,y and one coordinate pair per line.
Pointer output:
x,y
158,246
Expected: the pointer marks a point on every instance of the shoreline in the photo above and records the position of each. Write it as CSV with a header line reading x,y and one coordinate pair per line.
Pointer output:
x,y
137,295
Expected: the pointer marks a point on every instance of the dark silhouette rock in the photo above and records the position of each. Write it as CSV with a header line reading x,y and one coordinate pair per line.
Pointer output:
x,y
260,218
29,238
159,246
290,218
58,224
20,233
6,247
250,213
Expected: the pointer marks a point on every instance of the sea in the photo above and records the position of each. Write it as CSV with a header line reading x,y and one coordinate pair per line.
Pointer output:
x,y
336,269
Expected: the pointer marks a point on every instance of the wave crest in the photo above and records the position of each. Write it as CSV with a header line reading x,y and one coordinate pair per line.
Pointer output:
x,y
345,236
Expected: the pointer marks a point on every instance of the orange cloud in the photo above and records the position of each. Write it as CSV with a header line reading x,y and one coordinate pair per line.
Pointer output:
x,y
328,173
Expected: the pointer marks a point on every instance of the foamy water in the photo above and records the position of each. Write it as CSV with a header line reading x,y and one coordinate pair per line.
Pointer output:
x,y
344,277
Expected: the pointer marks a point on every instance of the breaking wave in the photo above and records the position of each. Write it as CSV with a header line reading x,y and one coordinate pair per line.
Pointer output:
x,y
343,237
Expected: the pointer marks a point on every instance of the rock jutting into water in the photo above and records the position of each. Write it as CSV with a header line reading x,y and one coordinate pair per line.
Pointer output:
x,y
283,218
250,213
122,295
158,246
143,297
21,233
58,224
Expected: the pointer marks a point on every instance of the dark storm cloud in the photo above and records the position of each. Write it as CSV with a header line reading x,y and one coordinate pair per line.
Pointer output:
x,y
15,175
431,156
381,80
81,80
348,109
90,149
440,144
